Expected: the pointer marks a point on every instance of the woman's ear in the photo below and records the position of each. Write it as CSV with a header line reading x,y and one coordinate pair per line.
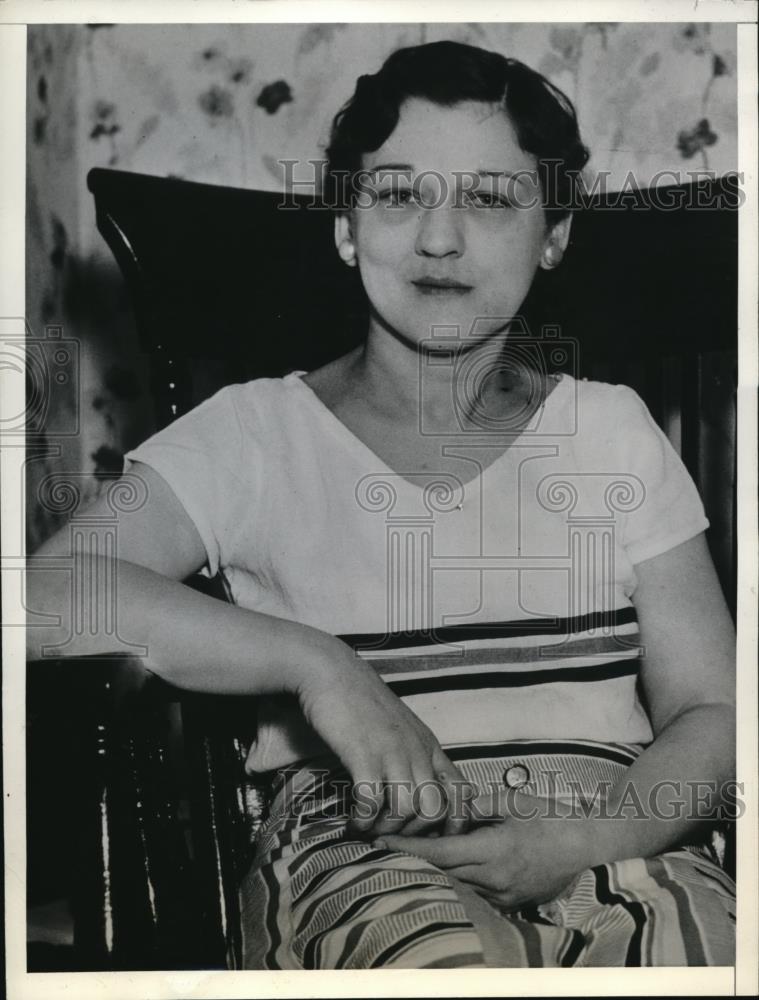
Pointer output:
x,y
556,243
346,248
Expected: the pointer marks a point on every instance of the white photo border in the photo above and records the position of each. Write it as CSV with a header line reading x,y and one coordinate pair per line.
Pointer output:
x,y
744,978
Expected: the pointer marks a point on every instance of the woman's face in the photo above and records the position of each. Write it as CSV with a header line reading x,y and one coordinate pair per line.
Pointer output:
x,y
450,229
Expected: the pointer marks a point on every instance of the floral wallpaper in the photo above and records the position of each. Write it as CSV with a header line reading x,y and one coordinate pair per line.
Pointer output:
x,y
222,103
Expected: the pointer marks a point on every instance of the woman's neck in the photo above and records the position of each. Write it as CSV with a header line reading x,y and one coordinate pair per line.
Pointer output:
x,y
416,386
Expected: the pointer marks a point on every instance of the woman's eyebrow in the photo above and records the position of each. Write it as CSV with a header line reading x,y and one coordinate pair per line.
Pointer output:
x,y
518,175
383,169
386,167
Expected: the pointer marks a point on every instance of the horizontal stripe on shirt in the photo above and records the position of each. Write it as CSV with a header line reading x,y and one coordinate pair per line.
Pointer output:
x,y
475,663
509,651
516,678
620,753
540,678
470,631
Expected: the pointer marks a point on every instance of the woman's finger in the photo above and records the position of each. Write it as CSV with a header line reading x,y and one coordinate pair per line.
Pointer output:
x,y
410,800
444,852
421,802
399,812
486,807
508,803
368,800
459,793
428,804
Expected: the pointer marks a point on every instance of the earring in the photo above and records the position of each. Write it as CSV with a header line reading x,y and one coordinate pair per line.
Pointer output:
x,y
551,257
347,253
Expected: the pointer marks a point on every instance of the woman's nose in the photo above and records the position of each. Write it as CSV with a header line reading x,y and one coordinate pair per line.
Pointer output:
x,y
440,231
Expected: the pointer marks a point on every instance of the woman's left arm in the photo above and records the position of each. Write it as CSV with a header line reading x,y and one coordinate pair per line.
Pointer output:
x,y
688,677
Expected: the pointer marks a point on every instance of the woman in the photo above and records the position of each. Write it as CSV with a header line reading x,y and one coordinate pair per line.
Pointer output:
x,y
412,512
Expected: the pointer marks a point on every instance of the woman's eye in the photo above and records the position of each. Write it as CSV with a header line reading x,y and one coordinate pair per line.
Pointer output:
x,y
486,199
396,196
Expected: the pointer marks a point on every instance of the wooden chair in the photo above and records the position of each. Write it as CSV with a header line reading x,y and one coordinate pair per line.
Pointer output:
x,y
228,285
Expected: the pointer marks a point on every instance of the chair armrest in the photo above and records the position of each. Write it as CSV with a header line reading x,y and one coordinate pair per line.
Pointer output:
x,y
134,897
226,809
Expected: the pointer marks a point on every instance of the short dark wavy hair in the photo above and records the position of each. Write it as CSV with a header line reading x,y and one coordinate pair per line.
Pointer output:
x,y
448,73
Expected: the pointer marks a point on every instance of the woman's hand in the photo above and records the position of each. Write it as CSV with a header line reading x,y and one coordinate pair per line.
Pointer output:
x,y
403,781
527,855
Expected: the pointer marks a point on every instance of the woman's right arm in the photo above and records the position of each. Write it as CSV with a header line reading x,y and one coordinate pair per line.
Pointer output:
x,y
193,641
202,644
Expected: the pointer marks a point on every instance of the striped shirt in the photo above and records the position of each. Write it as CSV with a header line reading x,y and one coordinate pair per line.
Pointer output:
x,y
496,599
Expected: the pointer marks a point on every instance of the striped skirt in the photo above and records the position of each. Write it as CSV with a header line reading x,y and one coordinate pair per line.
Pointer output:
x,y
315,899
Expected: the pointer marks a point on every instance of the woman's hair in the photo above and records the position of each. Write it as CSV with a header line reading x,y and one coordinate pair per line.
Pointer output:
x,y
447,73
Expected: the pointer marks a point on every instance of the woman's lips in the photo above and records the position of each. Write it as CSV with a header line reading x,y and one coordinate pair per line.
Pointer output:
x,y
440,286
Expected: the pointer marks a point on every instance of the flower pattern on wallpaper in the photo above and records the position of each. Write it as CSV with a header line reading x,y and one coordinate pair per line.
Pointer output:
x,y
104,125
274,95
224,104
696,38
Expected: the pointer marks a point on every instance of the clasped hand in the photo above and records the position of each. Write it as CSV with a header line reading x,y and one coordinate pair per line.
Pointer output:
x,y
403,781
522,852
417,801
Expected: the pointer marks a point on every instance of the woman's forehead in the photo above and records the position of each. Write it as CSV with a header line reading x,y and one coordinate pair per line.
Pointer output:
x,y
470,135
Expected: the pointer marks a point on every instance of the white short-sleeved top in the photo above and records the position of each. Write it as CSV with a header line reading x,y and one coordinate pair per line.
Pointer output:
x,y
496,600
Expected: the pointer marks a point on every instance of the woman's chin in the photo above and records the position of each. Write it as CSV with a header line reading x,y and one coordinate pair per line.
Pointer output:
x,y
455,334
439,329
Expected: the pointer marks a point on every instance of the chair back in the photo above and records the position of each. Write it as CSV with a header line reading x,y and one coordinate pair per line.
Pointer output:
x,y
231,284
227,285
